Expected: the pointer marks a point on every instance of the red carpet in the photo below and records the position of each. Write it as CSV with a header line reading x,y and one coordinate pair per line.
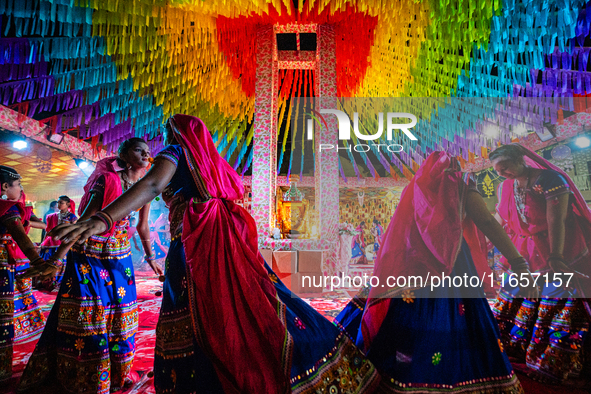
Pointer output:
x,y
149,305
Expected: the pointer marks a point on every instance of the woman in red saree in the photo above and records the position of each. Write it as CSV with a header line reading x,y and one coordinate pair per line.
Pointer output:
x,y
549,222
358,245
246,327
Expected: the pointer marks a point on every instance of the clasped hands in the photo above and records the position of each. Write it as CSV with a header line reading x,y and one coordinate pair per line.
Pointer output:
x,y
555,263
45,269
82,230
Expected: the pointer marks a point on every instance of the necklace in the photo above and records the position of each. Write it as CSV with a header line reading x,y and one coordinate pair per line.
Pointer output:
x,y
63,217
128,183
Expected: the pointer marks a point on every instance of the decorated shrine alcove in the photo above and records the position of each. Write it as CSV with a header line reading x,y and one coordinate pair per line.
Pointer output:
x,y
269,60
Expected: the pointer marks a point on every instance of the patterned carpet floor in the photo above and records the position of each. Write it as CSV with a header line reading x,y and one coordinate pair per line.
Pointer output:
x,y
149,290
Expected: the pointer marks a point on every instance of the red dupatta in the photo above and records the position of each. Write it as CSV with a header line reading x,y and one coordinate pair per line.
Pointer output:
x,y
51,223
424,236
26,217
238,319
72,207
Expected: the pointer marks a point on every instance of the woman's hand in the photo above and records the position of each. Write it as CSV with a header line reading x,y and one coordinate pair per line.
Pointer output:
x,y
80,231
46,270
558,266
155,267
530,291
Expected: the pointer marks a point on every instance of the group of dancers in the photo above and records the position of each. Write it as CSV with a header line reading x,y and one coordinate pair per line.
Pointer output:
x,y
228,324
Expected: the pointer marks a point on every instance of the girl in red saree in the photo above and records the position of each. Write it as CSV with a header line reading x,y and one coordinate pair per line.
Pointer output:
x,y
549,222
243,331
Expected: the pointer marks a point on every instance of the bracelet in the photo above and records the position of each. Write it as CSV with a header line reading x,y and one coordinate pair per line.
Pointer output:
x,y
150,258
97,217
519,263
34,261
108,218
105,218
53,263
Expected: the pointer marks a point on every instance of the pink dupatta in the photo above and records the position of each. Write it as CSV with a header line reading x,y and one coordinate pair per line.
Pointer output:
x,y
582,215
534,160
424,236
108,168
238,319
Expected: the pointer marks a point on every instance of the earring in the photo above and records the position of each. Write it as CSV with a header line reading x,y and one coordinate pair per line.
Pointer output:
x,y
4,197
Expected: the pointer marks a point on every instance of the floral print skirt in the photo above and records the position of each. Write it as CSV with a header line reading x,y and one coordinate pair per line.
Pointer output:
x,y
88,343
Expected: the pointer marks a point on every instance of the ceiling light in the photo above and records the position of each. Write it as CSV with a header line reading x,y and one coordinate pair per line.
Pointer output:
x,y
583,141
81,163
19,144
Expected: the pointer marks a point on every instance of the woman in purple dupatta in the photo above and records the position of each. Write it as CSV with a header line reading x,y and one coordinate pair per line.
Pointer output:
x,y
241,326
549,222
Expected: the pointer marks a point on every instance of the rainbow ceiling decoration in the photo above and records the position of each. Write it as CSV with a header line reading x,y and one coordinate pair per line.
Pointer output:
x,y
111,69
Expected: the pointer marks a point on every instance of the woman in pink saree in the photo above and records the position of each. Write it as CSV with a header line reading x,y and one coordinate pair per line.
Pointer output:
x,y
245,332
439,339
549,222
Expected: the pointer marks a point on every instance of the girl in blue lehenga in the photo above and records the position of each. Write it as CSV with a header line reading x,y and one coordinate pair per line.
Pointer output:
x,y
20,316
445,340
88,343
227,324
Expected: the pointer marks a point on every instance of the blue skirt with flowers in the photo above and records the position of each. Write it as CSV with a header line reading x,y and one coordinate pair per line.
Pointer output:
x,y
443,344
88,343
323,358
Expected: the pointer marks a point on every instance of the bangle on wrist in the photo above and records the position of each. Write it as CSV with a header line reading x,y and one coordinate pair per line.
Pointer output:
x,y
102,220
150,258
105,218
36,260
53,263
557,256
519,263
